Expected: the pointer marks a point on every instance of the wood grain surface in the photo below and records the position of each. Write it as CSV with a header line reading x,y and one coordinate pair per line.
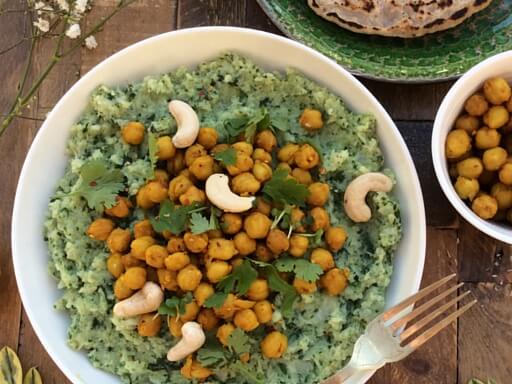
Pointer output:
x,y
480,344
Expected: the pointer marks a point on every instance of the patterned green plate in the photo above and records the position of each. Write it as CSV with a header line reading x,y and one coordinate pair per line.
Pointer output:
x,y
440,56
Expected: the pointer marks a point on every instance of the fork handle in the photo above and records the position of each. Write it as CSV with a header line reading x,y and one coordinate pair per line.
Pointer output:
x,y
347,372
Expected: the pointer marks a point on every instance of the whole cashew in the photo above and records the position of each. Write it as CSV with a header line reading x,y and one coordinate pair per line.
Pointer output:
x,y
193,338
219,194
188,124
148,299
355,194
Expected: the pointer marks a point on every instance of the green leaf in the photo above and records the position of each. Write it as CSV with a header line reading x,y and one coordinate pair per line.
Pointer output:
x,y
283,190
99,185
259,122
214,222
249,376
173,219
477,381
10,367
226,157
212,353
32,377
175,305
240,280
239,342
152,149
303,269
281,215
216,300
280,124
316,238
198,223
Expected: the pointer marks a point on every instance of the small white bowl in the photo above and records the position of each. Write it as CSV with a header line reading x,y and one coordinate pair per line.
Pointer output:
x,y
452,105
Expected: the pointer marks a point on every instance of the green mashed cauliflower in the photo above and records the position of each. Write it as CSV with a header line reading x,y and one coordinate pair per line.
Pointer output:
x,y
323,329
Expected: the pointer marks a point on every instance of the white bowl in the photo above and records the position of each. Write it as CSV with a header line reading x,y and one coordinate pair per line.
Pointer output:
x,y
452,105
46,161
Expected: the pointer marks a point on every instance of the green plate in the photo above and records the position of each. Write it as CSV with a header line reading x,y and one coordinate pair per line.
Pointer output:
x,y
440,56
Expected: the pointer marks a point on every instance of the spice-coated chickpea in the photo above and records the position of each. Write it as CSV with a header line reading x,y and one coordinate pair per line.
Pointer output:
x,y
304,287
217,270
243,163
263,311
467,188
468,123
285,167
265,139
258,290
135,277
471,167
215,234
262,171
178,186
228,308
203,292
274,345
457,144
487,138
223,333
129,261
176,244
174,324
505,174
261,155
497,90
496,117
298,245
221,249
177,261
485,206
196,243
257,225
494,158
307,157
335,238
120,209
334,281
263,206
244,244
318,194
236,262
189,278
287,153
138,246
263,253
246,320
311,119
207,319
323,258
503,195
142,199
143,228
115,265
245,184
297,216
156,192
167,279
219,148
191,311
121,290
194,370
155,256
321,219
202,167
100,229
243,147
165,148
192,195
119,240
193,152
149,324
302,176
177,163
476,105
277,241
231,223
133,133
207,137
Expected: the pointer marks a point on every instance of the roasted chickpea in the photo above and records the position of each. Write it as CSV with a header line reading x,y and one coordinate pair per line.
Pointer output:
x,y
318,194
121,290
334,281
155,256
174,325
323,258
203,292
246,319
189,278
458,143
129,261
285,167
177,163
119,240
245,184
139,246
193,152
215,234
177,261
176,244
467,188
471,168
221,249
133,133
162,177
207,319
263,206
115,265
485,206
258,290
120,209
156,192
476,105
202,167
192,195
231,223
142,198
243,147
193,370
217,270
266,140
486,138
263,311
165,148
304,287
135,277
191,311
207,137
244,244
311,119
307,157
274,345
468,123
297,216
287,153
505,174
335,238
261,155
262,171
496,117
196,243
298,245
149,324
228,308
223,333
219,148
494,158
100,229
178,186
277,241
236,262
503,195
167,279
302,176
263,253
320,218
257,225
497,90
143,228
244,163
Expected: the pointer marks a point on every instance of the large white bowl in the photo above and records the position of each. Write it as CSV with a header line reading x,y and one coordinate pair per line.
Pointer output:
x,y
46,161
451,107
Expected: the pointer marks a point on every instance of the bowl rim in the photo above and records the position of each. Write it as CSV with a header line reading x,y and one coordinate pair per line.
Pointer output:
x,y
439,133
17,207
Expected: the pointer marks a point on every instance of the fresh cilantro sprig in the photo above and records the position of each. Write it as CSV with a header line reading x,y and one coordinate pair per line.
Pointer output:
x,y
152,149
226,157
216,300
98,184
303,269
242,369
283,190
239,280
248,126
174,219
239,342
175,306
280,215
200,224
316,238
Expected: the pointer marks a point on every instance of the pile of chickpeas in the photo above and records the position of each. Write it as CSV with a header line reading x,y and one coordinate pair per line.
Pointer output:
x,y
195,263
479,151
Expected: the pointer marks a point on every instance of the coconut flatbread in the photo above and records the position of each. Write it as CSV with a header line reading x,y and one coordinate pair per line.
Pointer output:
x,y
399,18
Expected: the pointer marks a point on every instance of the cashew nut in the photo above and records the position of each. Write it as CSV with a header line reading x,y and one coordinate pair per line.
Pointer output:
x,y
188,124
355,194
193,338
148,299
219,194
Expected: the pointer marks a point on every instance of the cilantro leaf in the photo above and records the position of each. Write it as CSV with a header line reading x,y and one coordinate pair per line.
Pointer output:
x,y
175,305
303,269
173,219
239,342
99,185
152,149
216,300
260,121
226,157
212,353
240,280
284,190
198,223
316,238
242,369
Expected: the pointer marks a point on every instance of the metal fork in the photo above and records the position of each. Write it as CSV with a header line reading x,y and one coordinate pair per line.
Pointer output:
x,y
385,341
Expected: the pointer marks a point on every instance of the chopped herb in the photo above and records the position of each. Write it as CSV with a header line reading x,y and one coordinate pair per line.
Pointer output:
x,y
242,369
240,280
259,122
175,306
173,219
283,190
152,149
198,223
316,238
279,124
212,353
99,185
226,157
281,214
303,269
216,300
239,342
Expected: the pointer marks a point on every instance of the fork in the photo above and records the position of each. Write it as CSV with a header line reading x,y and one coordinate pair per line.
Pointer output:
x,y
386,341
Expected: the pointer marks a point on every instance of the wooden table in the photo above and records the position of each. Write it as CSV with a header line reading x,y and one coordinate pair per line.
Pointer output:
x,y
479,345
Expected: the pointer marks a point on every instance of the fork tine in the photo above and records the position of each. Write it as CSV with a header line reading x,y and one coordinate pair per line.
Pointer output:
x,y
425,336
418,311
431,316
411,300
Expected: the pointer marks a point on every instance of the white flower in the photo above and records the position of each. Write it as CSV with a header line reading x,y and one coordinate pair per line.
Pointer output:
x,y
42,24
81,5
91,42
63,4
39,5
73,31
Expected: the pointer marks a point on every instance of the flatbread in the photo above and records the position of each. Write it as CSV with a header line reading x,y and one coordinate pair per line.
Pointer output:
x,y
399,18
